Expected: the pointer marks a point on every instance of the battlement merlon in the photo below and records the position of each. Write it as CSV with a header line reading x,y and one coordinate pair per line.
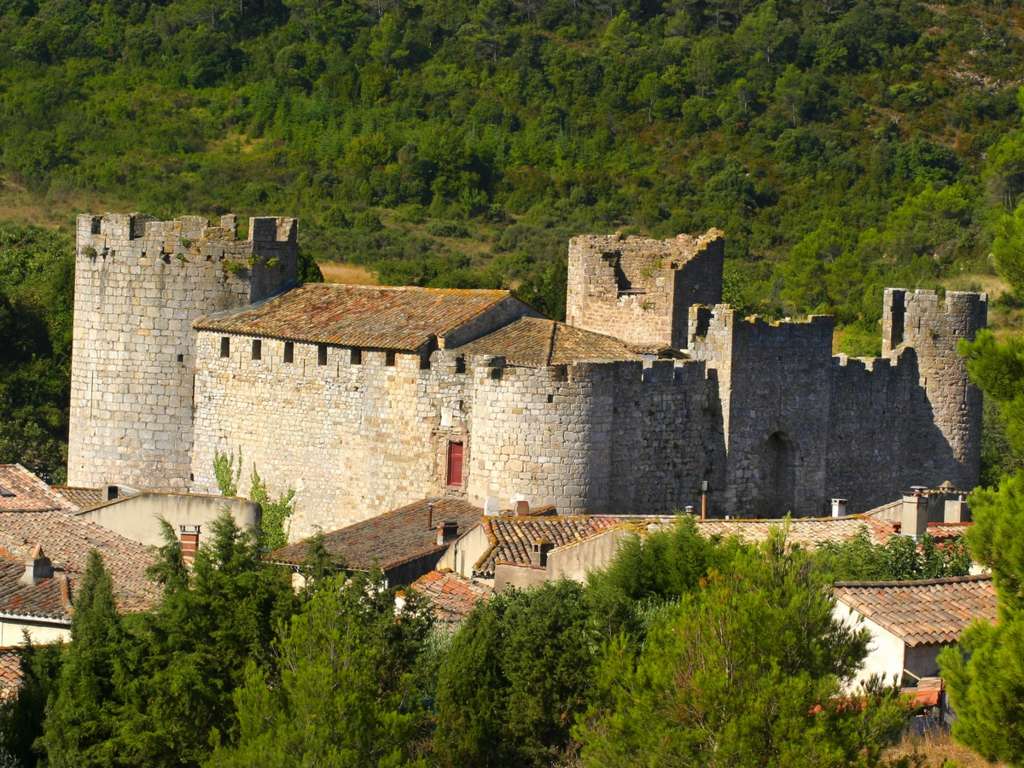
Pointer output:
x,y
136,226
723,318
908,315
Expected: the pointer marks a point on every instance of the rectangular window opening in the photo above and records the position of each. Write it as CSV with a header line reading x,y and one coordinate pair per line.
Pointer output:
x,y
289,352
321,354
225,346
257,349
356,357
453,476
460,364
389,358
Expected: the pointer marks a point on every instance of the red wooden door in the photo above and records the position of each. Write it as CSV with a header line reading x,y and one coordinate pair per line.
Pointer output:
x,y
454,463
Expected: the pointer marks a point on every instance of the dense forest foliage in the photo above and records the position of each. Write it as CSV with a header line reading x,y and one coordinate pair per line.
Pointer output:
x,y
841,144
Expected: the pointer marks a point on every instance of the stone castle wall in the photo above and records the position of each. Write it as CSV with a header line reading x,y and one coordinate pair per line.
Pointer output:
x,y
640,290
139,284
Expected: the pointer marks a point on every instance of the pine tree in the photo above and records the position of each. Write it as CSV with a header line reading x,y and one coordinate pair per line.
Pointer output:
x,y
84,712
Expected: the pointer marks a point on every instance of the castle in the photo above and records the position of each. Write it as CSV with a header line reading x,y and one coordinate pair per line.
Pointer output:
x,y
189,340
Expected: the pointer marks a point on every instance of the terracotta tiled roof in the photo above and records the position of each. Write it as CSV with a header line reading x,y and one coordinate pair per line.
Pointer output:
x,y
806,531
81,498
67,541
10,673
925,612
358,315
49,598
536,342
451,597
391,539
22,491
512,537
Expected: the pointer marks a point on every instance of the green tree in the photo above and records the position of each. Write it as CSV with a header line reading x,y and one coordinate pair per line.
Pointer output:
x,y
747,671
900,558
344,689
83,714
274,513
514,678
21,720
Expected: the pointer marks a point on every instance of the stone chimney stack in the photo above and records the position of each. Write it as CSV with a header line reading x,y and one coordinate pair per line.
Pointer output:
x,y
955,510
539,554
914,513
838,507
447,532
37,568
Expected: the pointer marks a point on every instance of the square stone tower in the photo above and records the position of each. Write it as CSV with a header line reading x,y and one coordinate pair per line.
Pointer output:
x,y
139,285
640,290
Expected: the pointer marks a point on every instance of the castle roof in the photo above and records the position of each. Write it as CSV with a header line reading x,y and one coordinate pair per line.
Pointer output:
x,y
370,316
391,539
535,342
22,491
925,612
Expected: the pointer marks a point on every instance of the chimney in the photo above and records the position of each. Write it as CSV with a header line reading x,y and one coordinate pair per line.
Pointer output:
x,y
689,509
539,555
914,513
955,510
447,532
430,515
37,568
112,492
522,507
838,507
492,508
189,535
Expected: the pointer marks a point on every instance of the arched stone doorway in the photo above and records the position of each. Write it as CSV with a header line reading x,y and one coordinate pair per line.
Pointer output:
x,y
779,464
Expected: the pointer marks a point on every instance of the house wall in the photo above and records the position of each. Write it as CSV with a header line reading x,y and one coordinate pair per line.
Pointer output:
x,y
138,517
465,552
12,632
139,284
885,650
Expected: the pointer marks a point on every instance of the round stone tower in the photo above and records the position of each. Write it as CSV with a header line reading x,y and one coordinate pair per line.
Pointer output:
x,y
139,285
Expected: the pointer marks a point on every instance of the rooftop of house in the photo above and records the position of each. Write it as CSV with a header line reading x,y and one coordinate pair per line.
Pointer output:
x,y
807,532
512,537
536,342
10,672
391,539
450,596
67,541
375,317
22,491
82,498
926,612
47,598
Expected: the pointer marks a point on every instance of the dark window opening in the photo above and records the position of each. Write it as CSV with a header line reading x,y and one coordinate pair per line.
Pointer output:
x,y
257,349
389,358
460,364
289,352
425,363
453,475
225,346
321,355
181,358
356,357
94,227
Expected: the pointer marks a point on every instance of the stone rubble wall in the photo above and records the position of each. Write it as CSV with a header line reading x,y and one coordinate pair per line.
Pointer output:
x,y
139,284
640,290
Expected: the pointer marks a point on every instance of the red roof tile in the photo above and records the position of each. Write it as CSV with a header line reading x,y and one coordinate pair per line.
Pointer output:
x,y
67,541
390,539
512,537
82,498
22,491
451,597
805,531
925,612
10,673
377,317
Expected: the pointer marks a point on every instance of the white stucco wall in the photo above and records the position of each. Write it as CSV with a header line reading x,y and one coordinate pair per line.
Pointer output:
x,y
12,632
885,651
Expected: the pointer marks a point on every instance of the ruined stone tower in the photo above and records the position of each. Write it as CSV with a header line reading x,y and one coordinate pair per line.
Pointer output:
x,y
640,290
139,284
932,327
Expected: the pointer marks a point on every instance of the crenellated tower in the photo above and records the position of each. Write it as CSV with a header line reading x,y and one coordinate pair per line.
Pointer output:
x,y
139,285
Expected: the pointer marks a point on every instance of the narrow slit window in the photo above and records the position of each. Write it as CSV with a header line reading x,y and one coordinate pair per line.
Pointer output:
x,y
389,358
460,364
225,346
257,349
289,352
321,355
357,357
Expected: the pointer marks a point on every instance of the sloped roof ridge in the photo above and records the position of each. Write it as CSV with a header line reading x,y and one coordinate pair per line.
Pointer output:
x,y
908,583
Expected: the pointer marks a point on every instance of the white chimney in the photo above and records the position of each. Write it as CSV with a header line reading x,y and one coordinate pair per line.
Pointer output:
x,y
492,508
955,510
838,507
